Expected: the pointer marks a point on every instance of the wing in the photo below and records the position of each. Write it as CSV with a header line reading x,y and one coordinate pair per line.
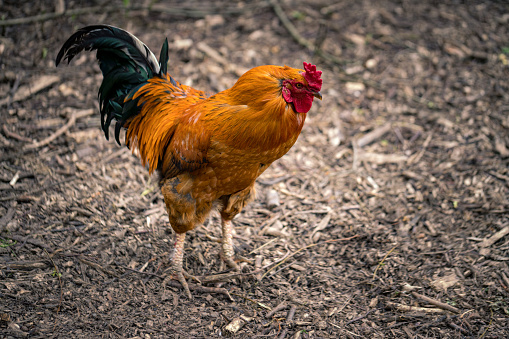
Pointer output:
x,y
188,147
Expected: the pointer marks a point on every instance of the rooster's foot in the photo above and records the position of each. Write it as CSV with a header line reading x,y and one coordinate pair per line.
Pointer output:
x,y
180,275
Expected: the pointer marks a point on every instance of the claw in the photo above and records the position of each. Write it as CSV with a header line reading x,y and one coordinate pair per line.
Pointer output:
x,y
189,276
183,282
230,261
179,276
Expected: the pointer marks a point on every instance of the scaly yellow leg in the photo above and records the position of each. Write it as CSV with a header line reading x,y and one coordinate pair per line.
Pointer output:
x,y
227,244
177,272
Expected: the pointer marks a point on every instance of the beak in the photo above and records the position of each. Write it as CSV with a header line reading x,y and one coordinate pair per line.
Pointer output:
x,y
317,95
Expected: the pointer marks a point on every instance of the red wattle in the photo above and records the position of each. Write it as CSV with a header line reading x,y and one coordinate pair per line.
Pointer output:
x,y
302,103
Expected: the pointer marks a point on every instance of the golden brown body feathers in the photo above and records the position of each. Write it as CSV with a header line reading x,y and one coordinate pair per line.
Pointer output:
x,y
208,149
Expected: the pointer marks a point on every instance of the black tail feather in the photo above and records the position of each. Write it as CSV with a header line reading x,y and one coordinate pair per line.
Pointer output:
x,y
126,64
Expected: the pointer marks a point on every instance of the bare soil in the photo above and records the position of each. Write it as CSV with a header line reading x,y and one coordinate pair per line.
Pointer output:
x,y
398,187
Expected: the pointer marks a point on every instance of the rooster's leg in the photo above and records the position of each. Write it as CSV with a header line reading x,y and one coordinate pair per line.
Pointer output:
x,y
227,244
176,270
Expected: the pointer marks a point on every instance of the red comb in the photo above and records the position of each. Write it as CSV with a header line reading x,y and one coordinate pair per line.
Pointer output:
x,y
312,76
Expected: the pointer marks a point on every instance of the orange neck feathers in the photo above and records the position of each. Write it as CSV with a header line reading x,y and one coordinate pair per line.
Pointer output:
x,y
255,114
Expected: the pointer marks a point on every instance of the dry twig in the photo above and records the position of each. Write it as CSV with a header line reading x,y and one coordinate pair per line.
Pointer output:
x,y
23,265
36,85
14,135
227,64
436,303
380,158
381,262
495,237
215,278
203,289
278,308
407,308
373,135
72,120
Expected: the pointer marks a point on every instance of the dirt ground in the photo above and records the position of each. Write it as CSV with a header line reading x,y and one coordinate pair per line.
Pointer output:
x,y
394,202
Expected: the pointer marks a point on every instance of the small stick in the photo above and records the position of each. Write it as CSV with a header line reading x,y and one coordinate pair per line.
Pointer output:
x,y
222,277
37,85
14,135
278,308
495,237
321,225
436,303
83,211
406,308
273,181
212,53
14,179
23,265
234,326
344,305
289,26
327,210
199,288
291,313
373,135
4,141
505,278
61,130
381,262
380,158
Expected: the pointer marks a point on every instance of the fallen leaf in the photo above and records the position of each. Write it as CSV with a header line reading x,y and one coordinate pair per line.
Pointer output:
x,y
443,283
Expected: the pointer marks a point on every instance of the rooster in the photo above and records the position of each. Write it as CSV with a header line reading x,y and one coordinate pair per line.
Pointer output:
x,y
208,150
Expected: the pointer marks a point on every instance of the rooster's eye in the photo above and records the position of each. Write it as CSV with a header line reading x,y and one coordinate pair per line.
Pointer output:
x,y
298,85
